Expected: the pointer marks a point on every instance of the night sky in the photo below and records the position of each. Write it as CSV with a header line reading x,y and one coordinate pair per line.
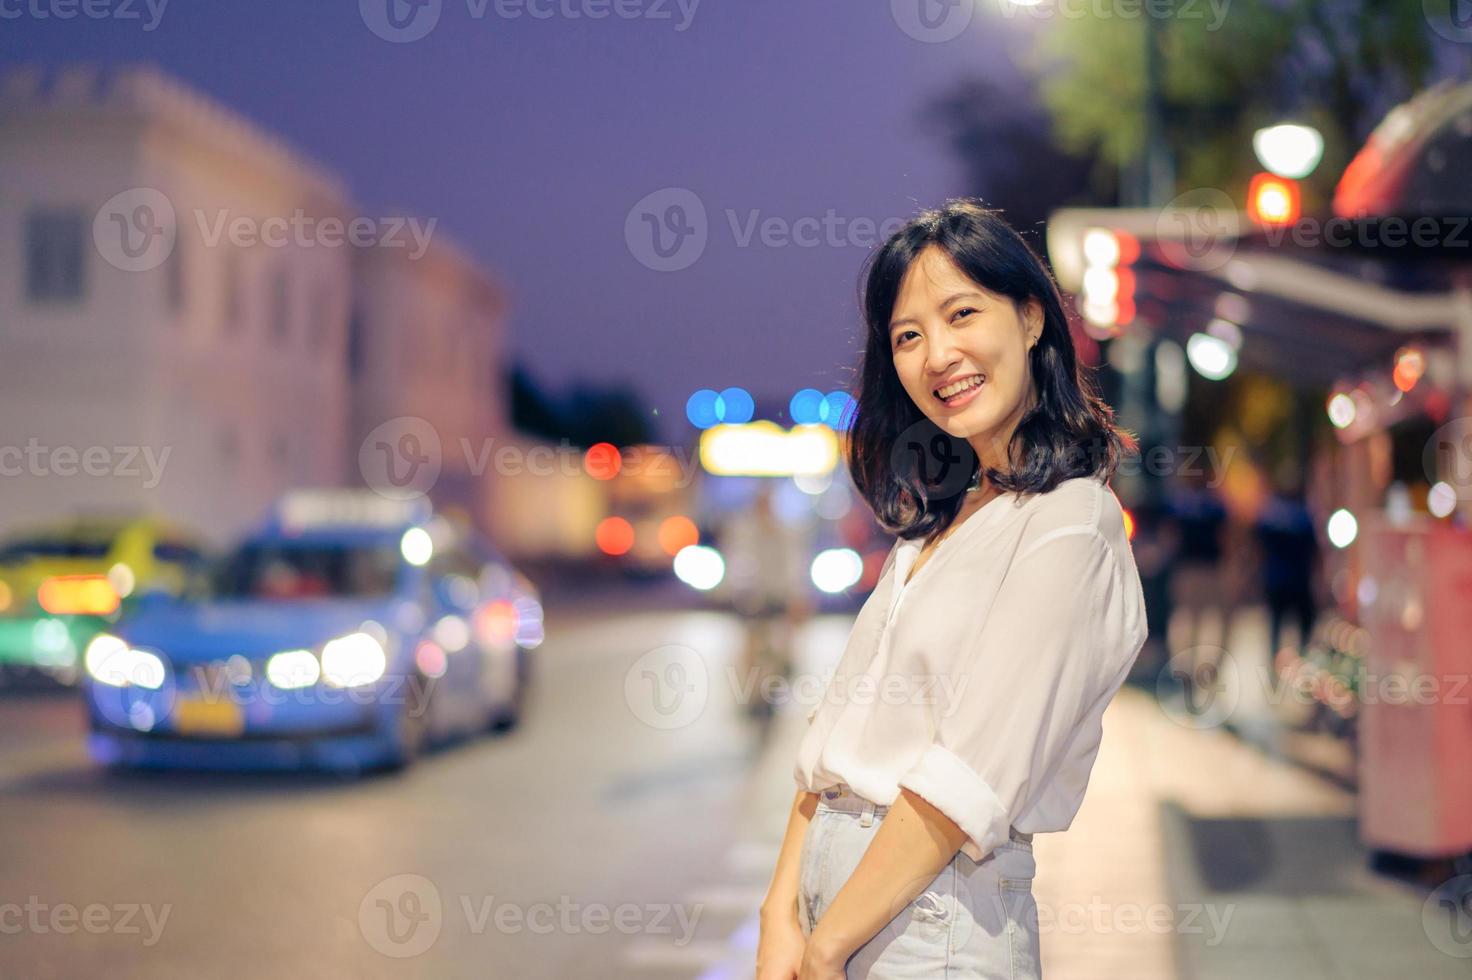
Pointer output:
x,y
530,141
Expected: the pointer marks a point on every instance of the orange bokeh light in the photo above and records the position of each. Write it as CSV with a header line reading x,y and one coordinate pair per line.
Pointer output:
x,y
614,535
603,461
677,532
1273,200
78,595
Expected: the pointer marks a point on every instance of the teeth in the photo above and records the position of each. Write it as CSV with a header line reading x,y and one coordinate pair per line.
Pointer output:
x,y
959,386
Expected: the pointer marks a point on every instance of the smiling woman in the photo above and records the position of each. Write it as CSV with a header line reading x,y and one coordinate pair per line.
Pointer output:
x,y
909,845
957,297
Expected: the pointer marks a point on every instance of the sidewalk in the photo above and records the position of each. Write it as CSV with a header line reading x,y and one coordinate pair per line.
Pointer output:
x,y
1196,855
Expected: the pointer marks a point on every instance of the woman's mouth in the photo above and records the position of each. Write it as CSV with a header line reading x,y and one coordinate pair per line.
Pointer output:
x,y
957,393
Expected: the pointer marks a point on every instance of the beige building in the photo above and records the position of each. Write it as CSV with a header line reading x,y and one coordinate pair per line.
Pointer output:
x,y
176,293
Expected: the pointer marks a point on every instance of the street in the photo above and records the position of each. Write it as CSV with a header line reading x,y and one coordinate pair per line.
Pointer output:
x,y
590,843
568,848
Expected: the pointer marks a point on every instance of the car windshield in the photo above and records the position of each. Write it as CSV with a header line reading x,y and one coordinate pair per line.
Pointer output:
x,y
289,570
33,549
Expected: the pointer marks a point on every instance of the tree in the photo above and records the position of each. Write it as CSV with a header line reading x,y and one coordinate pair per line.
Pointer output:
x,y
1338,65
1013,162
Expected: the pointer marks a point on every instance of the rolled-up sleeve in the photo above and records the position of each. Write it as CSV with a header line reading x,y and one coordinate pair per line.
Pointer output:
x,y
1031,672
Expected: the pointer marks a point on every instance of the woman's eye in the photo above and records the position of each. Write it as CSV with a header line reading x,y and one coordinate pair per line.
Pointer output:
x,y
964,312
901,338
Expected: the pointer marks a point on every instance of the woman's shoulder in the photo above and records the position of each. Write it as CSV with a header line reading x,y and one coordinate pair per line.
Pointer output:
x,y
1082,504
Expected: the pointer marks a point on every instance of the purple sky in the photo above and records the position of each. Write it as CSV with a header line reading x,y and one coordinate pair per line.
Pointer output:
x,y
530,141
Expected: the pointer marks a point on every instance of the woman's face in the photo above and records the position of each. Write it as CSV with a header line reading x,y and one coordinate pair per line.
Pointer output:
x,y
947,329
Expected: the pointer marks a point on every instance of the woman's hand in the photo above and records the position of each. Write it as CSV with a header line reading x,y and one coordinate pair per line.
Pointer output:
x,y
779,950
820,962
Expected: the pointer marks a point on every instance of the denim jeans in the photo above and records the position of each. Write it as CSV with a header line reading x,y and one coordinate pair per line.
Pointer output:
x,y
973,920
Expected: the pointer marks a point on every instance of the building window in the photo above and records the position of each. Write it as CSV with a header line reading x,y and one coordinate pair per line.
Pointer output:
x,y
54,255
174,276
233,314
356,344
280,306
322,318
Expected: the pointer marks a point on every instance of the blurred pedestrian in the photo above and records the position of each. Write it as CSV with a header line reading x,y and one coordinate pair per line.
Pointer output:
x,y
1290,549
766,575
1198,580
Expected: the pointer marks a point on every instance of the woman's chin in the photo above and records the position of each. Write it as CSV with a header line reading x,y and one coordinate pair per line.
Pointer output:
x,y
963,424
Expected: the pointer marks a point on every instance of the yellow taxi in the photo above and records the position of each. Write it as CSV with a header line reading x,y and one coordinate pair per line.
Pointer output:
x,y
61,584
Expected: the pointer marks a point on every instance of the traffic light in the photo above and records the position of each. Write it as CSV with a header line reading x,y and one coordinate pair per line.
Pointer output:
x,y
1273,200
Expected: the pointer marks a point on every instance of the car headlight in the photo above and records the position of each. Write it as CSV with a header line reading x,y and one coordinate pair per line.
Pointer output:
x,y
111,661
292,669
353,660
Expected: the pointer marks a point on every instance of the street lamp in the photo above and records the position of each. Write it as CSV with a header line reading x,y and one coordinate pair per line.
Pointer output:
x,y
1289,150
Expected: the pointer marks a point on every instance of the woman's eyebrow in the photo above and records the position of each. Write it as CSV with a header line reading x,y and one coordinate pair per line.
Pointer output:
x,y
943,304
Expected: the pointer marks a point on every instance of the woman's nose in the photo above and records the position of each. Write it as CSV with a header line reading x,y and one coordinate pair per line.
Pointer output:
x,y
941,354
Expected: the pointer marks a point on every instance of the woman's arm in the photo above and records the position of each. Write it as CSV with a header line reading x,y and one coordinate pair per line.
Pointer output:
x,y
913,843
779,950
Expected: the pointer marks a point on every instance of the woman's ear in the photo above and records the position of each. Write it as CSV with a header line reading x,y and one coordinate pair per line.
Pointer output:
x,y
1034,321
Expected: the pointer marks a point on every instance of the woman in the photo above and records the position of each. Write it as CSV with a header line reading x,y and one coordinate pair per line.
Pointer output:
x,y
964,715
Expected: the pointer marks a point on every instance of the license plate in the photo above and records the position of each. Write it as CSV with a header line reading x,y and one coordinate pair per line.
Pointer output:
x,y
218,718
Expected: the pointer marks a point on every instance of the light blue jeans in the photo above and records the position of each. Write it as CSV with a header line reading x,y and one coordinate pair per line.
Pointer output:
x,y
972,921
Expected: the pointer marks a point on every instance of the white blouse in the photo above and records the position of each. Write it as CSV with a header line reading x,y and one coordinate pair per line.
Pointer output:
x,y
981,684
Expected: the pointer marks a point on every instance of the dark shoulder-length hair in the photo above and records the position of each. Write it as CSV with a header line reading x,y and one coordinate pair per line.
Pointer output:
x,y
912,473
